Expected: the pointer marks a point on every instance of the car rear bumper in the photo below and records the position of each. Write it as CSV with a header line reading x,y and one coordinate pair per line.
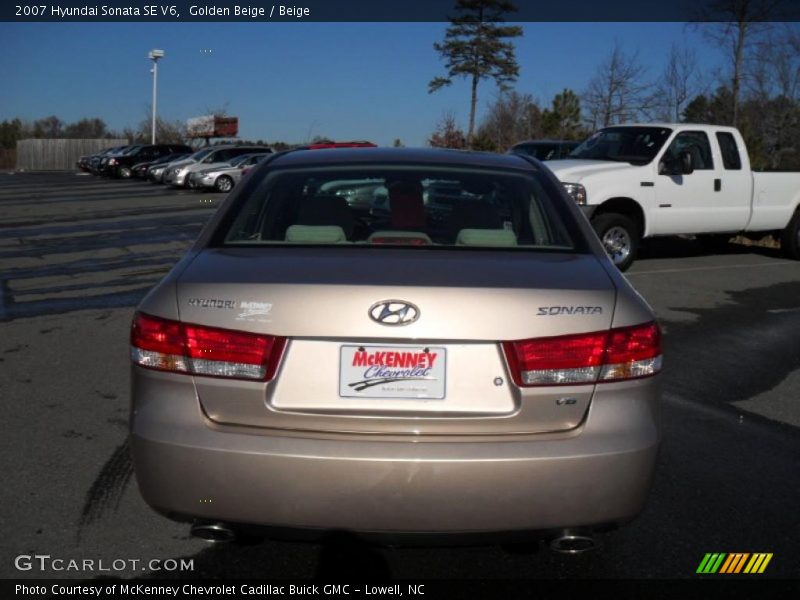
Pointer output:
x,y
597,474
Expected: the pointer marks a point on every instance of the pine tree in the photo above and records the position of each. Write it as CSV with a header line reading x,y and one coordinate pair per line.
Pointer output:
x,y
475,46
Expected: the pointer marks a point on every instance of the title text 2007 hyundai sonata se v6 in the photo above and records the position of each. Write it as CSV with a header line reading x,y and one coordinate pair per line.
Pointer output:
x,y
396,341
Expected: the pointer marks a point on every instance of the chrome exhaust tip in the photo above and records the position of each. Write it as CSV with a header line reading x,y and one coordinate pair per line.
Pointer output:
x,y
573,542
214,533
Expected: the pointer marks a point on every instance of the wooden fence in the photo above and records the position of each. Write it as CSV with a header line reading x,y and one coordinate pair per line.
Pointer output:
x,y
8,158
60,154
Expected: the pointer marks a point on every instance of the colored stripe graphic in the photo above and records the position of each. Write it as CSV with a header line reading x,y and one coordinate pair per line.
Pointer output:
x,y
711,562
727,564
755,562
767,558
734,563
737,563
703,563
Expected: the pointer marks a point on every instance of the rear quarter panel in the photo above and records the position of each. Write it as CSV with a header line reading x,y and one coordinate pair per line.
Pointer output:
x,y
775,198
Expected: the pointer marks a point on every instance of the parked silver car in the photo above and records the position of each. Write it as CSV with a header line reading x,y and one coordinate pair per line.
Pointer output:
x,y
224,177
470,366
210,157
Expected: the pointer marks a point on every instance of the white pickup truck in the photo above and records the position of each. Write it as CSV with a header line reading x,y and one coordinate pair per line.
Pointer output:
x,y
639,181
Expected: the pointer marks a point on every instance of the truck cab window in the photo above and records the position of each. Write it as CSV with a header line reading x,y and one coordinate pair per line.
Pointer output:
x,y
695,143
730,153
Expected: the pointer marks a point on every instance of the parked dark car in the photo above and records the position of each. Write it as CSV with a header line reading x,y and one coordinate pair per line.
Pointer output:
x,y
141,169
103,166
545,149
122,166
92,161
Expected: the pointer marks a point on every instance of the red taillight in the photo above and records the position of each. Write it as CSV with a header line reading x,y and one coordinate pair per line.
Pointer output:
x,y
624,353
173,346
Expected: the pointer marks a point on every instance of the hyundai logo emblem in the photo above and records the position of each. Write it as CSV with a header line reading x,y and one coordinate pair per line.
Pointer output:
x,y
393,312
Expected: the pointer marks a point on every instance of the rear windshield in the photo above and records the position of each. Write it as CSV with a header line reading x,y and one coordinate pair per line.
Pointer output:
x,y
412,207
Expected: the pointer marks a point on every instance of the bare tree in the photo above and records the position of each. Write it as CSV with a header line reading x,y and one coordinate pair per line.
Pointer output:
x,y
86,128
218,111
777,65
49,127
618,91
771,110
511,118
735,25
448,134
679,82
167,132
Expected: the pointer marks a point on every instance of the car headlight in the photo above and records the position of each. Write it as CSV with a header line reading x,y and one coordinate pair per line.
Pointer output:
x,y
577,192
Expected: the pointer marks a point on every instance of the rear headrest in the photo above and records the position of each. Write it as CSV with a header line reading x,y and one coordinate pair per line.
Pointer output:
x,y
486,237
407,205
474,215
315,234
327,210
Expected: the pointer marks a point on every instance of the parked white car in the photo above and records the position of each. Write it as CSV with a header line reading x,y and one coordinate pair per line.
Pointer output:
x,y
207,158
224,177
645,180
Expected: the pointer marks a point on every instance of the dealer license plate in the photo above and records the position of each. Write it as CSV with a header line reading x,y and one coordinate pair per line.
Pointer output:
x,y
414,372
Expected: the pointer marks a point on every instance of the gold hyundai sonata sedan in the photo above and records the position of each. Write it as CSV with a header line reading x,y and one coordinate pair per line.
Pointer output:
x,y
396,342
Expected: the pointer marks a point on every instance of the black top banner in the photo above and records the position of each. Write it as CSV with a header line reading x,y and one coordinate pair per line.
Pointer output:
x,y
158,589
385,10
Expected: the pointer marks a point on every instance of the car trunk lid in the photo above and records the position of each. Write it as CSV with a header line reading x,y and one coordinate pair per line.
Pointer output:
x,y
468,302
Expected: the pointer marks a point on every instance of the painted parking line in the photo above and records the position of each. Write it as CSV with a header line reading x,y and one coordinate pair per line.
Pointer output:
x,y
715,268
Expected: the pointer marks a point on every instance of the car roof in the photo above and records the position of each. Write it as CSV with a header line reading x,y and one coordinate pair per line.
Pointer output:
x,y
424,156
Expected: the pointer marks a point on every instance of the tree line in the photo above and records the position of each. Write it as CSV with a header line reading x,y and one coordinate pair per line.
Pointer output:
x,y
757,89
52,127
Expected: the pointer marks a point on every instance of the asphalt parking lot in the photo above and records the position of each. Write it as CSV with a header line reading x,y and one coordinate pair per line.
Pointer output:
x,y
78,252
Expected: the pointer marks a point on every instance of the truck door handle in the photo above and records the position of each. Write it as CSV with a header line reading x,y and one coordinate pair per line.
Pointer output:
x,y
717,185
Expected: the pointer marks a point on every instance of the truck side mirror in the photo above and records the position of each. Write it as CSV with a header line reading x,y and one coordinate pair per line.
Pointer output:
x,y
685,162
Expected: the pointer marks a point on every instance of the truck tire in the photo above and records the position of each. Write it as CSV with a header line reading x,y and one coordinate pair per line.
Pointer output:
x,y
790,237
620,237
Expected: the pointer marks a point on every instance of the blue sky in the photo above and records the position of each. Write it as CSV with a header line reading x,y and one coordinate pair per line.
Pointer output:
x,y
292,81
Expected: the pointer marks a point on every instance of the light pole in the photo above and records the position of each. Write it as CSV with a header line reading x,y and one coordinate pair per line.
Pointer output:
x,y
154,55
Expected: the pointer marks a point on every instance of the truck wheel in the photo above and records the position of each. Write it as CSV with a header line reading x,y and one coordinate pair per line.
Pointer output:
x,y
790,237
223,184
124,172
620,238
